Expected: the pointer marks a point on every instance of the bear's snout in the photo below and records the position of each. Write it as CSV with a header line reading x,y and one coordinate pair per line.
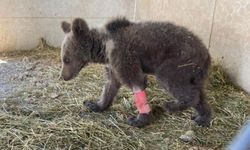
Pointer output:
x,y
66,77
66,74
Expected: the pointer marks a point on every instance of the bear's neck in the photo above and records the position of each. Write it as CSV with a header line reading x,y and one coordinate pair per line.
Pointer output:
x,y
98,54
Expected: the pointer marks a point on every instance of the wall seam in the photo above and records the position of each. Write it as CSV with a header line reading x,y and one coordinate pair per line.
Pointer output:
x,y
134,16
212,25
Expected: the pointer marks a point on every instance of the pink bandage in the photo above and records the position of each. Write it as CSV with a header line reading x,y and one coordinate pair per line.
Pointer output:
x,y
141,102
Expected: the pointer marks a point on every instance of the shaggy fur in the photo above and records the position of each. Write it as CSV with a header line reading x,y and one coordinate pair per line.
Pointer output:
x,y
177,58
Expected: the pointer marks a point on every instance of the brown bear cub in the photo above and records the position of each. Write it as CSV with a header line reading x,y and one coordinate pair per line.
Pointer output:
x,y
177,58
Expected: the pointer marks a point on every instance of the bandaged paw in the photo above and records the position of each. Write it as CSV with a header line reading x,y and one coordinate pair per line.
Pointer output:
x,y
141,102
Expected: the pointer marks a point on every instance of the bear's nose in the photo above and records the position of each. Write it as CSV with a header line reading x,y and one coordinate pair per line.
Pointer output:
x,y
66,78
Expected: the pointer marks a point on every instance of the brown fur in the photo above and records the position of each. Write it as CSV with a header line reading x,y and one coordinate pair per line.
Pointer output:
x,y
177,58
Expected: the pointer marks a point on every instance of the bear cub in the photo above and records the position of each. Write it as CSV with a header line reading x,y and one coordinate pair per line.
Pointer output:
x,y
175,56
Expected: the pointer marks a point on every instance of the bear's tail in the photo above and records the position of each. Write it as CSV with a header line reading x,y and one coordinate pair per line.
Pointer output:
x,y
207,66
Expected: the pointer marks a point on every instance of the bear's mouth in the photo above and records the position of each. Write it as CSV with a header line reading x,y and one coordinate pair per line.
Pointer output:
x,y
75,71
83,64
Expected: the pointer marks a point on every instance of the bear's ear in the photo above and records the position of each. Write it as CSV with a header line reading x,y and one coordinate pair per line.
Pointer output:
x,y
65,27
80,27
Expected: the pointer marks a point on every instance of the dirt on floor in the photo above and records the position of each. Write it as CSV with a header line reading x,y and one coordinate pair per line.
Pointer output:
x,y
37,111
14,75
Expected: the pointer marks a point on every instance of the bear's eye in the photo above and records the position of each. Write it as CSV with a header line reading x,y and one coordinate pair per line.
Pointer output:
x,y
66,60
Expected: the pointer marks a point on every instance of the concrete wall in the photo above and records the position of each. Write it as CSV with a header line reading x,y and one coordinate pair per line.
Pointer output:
x,y
223,25
230,39
197,15
24,22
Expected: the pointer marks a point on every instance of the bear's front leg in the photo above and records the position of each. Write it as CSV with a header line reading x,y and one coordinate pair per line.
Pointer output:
x,y
109,91
143,107
133,76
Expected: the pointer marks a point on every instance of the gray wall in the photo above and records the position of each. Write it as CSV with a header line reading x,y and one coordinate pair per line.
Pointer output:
x,y
223,25
24,22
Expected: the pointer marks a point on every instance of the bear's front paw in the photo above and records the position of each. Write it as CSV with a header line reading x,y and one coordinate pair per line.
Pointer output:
x,y
140,121
92,106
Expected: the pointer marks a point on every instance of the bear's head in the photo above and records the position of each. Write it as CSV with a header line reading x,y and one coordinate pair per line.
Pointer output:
x,y
76,48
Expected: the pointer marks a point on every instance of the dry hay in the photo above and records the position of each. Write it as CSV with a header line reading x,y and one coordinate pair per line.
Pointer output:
x,y
49,114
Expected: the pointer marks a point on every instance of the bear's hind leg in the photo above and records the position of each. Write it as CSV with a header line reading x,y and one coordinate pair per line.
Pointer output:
x,y
185,96
186,92
203,109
